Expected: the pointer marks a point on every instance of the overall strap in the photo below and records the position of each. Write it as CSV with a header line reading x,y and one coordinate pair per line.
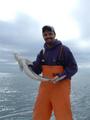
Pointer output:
x,y
42,56
61,52
60,56
42,53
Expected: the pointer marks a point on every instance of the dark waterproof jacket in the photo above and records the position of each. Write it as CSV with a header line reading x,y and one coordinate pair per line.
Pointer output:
x,y
58,54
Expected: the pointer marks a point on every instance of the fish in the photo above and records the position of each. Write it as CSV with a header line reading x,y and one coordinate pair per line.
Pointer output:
x,y
23,64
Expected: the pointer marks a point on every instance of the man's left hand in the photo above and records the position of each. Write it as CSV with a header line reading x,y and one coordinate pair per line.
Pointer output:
x,y
55,79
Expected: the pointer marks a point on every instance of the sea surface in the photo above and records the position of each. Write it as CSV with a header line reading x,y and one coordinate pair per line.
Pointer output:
x,y
18,92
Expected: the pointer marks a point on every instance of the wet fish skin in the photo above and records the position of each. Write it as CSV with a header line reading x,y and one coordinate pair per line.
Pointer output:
x,y
23,64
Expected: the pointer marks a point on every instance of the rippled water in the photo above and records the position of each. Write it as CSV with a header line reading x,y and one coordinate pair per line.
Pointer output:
x,y
18,92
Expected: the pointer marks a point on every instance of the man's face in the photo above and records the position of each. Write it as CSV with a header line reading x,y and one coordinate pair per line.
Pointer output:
x,y
49,36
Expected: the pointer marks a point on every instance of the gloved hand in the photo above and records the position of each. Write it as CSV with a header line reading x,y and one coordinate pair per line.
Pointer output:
x,y
58,78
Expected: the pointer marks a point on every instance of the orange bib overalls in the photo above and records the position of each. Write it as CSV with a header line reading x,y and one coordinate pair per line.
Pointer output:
x,y
53,97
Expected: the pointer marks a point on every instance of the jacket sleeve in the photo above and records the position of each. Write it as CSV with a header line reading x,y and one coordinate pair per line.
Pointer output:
x,y
36,67
70,65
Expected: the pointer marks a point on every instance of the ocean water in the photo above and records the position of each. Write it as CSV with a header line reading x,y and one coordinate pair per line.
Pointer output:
x,y
18,92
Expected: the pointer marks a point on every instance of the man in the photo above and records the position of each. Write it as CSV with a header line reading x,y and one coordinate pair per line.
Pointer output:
x,y
55,61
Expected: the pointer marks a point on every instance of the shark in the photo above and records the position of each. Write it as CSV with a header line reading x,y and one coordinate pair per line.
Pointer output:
x,y
23,64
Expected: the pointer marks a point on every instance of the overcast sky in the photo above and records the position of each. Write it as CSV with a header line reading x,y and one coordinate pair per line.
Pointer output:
x,y
23,19
21,22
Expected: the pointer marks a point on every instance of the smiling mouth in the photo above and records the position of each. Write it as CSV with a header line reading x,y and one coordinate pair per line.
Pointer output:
x,y
49,39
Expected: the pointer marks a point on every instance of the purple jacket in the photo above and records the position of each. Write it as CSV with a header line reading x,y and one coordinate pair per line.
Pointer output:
x,y
56,56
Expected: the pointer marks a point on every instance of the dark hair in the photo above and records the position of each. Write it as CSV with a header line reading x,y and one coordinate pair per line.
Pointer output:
x,y
48,28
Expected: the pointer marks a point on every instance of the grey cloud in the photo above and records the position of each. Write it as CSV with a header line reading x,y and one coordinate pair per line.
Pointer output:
x,y
21,35
22,31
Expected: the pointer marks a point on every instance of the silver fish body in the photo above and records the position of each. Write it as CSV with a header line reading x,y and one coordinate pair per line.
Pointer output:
x,y
23,64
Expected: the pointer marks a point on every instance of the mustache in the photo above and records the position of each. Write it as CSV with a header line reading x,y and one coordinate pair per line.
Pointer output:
x,y
49,38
